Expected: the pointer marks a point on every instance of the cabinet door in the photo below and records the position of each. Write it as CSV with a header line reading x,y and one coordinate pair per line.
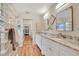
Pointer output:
x,y
49,47
66,51
53,48
43,45
46,47
38,40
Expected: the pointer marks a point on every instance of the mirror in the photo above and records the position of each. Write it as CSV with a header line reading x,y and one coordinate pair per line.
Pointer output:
x,y
64,20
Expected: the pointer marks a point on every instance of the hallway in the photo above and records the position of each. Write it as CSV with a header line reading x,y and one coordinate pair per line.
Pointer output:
x,y
39,29
28,49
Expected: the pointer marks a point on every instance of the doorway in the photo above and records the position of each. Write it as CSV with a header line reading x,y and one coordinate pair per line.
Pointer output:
x,y
26,30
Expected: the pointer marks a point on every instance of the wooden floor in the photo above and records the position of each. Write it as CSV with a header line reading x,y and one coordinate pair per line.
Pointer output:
x,y
28,49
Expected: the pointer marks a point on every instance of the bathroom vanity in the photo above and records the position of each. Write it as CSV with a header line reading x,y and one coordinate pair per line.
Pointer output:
x,y
52,45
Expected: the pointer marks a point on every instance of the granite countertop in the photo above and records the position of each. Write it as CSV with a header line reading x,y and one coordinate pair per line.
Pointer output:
x,y
62,41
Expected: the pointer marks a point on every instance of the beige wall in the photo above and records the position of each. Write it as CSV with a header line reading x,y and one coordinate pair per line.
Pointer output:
x,y
39,25
51,11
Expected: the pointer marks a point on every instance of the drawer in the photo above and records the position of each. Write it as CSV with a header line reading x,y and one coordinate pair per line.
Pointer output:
x,y
66,51
52,44
38,41
52,48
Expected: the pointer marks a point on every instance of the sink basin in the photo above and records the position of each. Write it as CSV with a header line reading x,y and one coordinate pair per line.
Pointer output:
x,y
52,35
73,41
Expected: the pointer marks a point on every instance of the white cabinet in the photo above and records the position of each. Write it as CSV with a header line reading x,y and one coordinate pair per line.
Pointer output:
x,y
66,51
38,41
42,43
49,47
44,46
52,48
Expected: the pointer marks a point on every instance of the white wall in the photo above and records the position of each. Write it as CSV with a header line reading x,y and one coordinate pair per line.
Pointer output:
x,y
37,26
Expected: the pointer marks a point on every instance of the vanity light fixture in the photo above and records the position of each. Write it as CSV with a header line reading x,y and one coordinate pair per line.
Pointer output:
x,y
59,5
46,16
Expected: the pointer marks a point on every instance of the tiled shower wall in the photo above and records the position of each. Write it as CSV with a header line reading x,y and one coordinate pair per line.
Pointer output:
x,y
6,12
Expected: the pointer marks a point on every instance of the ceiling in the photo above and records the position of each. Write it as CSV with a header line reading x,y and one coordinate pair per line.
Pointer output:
x,y
32,8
